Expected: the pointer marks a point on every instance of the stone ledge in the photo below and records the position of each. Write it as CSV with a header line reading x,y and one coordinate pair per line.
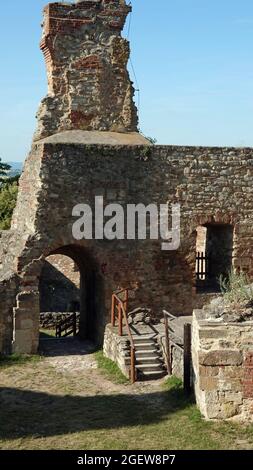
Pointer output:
x,y
95,138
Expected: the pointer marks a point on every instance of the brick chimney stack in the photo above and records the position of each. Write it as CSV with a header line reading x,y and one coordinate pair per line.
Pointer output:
x,y
89,87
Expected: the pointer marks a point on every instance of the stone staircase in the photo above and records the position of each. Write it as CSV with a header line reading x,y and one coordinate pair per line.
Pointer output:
x,y
149,360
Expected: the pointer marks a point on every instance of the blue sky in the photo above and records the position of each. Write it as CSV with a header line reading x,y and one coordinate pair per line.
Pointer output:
x,y
192,58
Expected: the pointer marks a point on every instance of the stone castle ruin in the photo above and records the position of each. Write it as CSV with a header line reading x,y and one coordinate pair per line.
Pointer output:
x,y
87,144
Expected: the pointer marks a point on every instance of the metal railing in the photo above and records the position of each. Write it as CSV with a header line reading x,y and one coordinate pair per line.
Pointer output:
x,y
119,311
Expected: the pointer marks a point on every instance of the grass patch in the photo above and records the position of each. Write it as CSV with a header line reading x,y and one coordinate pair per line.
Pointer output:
x,y
47,334
173,383
83,411
17,359
110,369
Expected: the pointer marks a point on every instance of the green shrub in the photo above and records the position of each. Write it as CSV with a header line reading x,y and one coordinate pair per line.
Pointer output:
x,y
8,198
236,288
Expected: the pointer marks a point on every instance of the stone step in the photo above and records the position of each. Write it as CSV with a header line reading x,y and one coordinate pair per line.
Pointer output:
x,y
146,346
143,339
146,353
155,375
149,360
155,359
150,367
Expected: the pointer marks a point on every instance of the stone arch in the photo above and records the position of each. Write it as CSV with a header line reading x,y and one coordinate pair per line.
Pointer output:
x,y
59,285
92,307
92,298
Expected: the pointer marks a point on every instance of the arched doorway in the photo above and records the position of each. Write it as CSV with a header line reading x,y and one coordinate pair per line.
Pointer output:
x,y
59,284
70,281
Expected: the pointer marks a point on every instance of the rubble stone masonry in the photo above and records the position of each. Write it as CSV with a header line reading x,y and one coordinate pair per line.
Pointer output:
x,y
86,145
211,184
86,58
223,368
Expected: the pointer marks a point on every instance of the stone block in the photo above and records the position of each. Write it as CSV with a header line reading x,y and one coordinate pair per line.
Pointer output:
x,y
26,324
228,410
231,372
227,357
228,385
234,397
208,383
212,333
206,371
23,342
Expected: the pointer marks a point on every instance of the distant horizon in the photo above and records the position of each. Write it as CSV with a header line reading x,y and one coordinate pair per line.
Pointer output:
x,y
193,64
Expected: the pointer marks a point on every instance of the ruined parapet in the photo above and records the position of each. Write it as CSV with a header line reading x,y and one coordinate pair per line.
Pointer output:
x,y
222,355
86,57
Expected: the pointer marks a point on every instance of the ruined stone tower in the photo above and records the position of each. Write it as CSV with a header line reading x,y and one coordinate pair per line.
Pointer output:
x,y
86,59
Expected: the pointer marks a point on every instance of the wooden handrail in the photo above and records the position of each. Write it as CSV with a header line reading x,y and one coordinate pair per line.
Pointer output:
x,y
122,313
167,341
129,289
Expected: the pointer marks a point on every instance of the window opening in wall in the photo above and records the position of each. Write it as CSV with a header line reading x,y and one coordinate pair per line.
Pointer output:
x,y
214,248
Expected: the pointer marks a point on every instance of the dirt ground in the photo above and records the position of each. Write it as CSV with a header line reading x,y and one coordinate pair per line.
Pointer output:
x,y
64,401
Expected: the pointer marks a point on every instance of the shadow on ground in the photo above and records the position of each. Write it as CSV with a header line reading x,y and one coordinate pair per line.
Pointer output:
x,y
27,413
71,346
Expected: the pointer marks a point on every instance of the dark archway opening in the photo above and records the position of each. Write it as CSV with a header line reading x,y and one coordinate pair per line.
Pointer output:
x,y
214,249
70,282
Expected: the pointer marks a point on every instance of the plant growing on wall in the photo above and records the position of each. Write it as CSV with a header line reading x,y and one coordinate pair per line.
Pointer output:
x,y
236,288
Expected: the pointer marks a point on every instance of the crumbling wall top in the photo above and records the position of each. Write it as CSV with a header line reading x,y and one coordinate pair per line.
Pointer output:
x,y
89,87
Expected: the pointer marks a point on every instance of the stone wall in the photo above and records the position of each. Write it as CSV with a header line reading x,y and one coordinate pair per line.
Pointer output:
x,y
86,57
176,355
116,348
49,320
74,158
222,355
213,185
59,284
8,291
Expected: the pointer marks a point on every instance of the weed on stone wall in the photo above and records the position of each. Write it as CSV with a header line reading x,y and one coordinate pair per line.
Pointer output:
x,y
236,288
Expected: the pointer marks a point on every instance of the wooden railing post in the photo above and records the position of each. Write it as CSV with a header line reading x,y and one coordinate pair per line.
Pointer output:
x,y
167,344
122,307
120,320
187,358
74,324
126,301
133,371
113,311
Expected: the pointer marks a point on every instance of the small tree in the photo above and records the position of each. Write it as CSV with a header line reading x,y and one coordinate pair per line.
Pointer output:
x,y
8,195
8,198
4,168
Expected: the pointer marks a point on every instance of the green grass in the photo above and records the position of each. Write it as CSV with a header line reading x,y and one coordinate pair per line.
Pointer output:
x,y
110,369
44,408
17,359
47,333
